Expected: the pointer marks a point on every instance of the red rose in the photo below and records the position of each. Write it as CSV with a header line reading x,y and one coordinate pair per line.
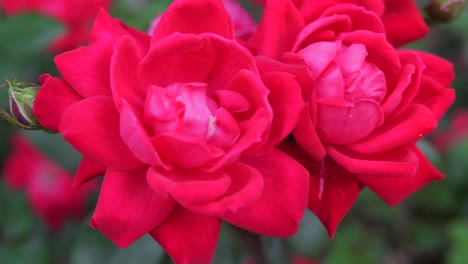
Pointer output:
x,y
401,18
76,15
48,186
182,126
367,104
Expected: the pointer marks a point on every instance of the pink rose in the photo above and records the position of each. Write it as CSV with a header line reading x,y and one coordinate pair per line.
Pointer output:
x,y
76,15
183,128
48,186
367,104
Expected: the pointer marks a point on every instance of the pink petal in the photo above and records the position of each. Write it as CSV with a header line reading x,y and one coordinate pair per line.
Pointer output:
x,y
283,201
87,170
278,28
410,126
92,127
54,97
333,191
128,208
195,16
395,189
188,237
399,162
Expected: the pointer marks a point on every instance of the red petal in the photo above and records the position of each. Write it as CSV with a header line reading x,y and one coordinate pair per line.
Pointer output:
x,y
54,97
195,16
246,185
333,191
400,162
435,96
188,186
306,136
361,18
187,237
92,127
283,201
395,189
87,170
437,68
410,126
128,208
286,101
123,74
403,22
278,28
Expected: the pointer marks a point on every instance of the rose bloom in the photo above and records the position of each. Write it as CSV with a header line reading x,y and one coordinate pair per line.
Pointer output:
x,y
48,186
401,19
457,130
367,104
183,128
76,15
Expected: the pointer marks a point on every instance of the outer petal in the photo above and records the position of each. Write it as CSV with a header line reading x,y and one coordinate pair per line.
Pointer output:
x,y
187,237
403,22
307,137
92,127
400,162
395,189
54,97
195,16
87,170
437,68
128,208
283,201
277,31
435,96
333,191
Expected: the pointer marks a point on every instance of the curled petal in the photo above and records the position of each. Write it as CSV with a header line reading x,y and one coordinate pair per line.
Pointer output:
x,y
87,170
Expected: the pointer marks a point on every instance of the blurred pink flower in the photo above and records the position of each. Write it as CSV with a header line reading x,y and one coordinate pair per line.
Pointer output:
x,y
48,186
457,130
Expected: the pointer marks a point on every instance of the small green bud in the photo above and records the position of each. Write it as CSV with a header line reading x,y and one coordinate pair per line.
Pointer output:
x,y
445,10
22,96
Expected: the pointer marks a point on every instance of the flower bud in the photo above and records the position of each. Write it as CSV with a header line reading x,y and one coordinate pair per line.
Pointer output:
x,y
445,10
22,96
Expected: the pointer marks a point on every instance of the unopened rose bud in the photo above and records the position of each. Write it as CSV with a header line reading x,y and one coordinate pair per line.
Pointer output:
x,y
22,96
444,10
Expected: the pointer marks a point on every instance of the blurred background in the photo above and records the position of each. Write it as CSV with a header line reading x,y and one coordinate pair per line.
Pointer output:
x,y
41,224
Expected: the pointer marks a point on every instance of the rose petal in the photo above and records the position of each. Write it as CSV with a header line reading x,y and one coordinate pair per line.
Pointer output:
x,y
92,127
53,98
410,126
188,237
400,162
306,136
333,191
283,177
195,16
87,170
128,208
395,189
246,185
